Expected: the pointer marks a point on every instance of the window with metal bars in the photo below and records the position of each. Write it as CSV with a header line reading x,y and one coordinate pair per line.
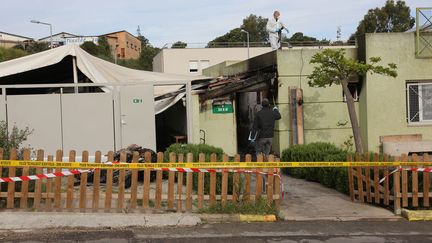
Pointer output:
x,y
419,102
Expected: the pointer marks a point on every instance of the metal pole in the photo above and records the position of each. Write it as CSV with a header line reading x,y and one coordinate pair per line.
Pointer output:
x,y
75,74
247,34
51,36
189,112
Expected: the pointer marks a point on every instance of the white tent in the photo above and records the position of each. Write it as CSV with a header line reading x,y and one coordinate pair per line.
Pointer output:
x,y
99,71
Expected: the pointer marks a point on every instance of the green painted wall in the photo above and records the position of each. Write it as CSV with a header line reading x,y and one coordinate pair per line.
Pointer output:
x,y
220,129
325,114
386,97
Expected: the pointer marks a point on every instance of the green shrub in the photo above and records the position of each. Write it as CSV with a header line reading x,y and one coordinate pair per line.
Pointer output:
x,y
336,178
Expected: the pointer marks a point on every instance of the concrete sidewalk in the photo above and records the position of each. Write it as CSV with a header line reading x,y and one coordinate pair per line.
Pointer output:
x,y
305,200
44,220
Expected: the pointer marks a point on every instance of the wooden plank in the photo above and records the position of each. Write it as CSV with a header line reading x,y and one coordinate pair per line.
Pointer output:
x,y
404,183
171,178
426,184
108,184
259,180
48,186
270,179
180,159
121,184
236,182
10,201
38,183
350,179
213,158
70,184
368,178
359,179
189,181
277,186
134,182
25,184
96,182
299,110
58,182
414,181
146,186
224,189
386,183
376,180
201,158
396,193
83,184
158,194
248,179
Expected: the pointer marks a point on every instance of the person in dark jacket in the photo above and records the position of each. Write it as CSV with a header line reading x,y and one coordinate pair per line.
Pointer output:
x,y
263,127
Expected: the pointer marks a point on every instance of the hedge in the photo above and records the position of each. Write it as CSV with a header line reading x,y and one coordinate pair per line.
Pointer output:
x,y
336,178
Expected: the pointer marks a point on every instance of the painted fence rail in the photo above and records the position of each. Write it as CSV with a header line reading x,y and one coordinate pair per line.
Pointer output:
x,y
396,187
110,190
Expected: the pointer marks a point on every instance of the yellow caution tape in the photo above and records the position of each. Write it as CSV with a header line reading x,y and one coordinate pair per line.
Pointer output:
x,y
201,165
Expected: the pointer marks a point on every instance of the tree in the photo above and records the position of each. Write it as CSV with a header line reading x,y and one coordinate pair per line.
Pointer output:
x,y
104,49
393,17
90,47
255,25
179,44
334,68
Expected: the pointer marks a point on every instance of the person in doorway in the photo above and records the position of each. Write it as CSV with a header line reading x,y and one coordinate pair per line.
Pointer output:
x,y
274,28
263,127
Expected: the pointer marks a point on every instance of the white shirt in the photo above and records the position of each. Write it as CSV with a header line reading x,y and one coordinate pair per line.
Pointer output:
x,y
272,25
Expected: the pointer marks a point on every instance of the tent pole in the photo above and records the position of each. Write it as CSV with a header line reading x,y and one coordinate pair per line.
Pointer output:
x,y
189,112
75,74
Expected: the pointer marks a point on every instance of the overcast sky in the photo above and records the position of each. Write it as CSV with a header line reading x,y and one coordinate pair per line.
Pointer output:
x,y
189,21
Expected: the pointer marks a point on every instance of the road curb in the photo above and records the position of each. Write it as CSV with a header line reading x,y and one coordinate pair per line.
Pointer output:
x,y
223,218
417,215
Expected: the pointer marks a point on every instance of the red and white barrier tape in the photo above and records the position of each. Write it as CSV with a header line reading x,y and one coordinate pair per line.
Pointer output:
x,y
43,176
427,170
76,172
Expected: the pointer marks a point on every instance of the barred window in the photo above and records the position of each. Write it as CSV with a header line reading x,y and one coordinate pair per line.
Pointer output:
x,y
419,102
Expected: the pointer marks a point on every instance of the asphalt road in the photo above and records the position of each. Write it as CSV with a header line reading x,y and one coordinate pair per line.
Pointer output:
x,y
291,231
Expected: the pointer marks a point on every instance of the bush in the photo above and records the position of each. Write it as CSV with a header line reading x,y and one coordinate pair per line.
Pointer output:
x,y
196,149
336,178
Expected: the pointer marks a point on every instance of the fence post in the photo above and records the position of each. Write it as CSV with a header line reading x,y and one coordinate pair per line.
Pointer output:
x,y
158,194
109,182
213,182
189,181
58,182
277,186
386,182
404,183
259,182
11,185
180,159
359,179
70,183
147,177
25,184
376,170
396,193
38,183
201,158
236,179
368,178
426,183
48,201
83,184
224,197
171,177
247,192
270,181
414,181
134,182
96,182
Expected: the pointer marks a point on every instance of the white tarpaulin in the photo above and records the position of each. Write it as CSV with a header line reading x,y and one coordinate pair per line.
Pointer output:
x,y
98,71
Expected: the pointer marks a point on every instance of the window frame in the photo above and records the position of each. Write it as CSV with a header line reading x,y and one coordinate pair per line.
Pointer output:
x,y
418,100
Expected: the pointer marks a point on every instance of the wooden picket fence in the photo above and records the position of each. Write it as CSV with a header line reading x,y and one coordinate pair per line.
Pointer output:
x,y
401,189
72,193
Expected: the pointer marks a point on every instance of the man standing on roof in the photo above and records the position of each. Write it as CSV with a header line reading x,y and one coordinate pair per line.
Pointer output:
x,y
263,127
274,28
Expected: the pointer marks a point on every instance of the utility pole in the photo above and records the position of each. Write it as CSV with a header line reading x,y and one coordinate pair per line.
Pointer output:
x,y
39,22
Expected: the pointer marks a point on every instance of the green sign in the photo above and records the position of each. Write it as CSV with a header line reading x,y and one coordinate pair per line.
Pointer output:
x,y
136,101
222,109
